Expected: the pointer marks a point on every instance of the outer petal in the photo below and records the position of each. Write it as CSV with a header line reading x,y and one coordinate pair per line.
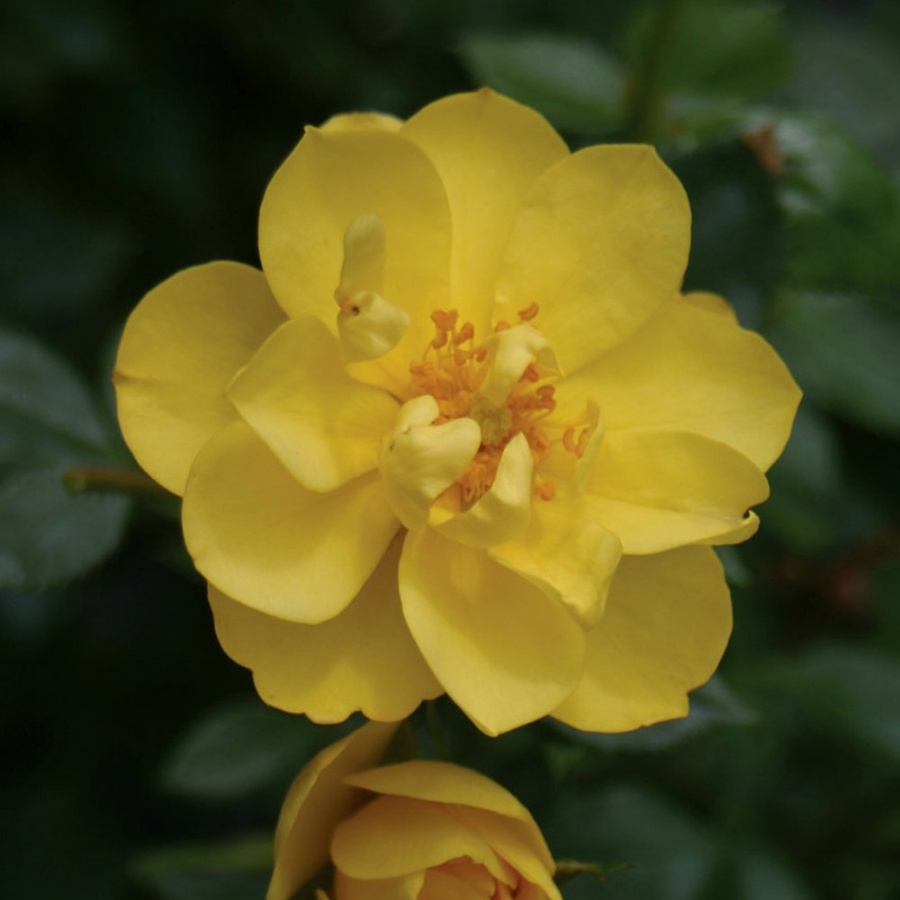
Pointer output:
x,y
364,659
442,782
393,836
488,150
602,241
330,179
180,348
658,490
261,538
316,802
692,369
667,621
325,427
503,650
566,553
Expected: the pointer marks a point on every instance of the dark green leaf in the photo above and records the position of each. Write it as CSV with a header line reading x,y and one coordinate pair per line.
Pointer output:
x,y
238,750
670,856
850,73
716,47
842,209
806,484
851,694
572,81
842,349
48,423
237,869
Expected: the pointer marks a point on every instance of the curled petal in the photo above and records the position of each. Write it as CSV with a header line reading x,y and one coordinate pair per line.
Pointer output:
x,y
324,427
503,511
272,544
659,490
419,461
512,351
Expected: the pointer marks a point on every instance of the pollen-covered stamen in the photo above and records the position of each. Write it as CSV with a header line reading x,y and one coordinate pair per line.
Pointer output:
x,y
501,384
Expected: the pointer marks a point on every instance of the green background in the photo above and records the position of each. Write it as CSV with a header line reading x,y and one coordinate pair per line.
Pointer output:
x,y
138,139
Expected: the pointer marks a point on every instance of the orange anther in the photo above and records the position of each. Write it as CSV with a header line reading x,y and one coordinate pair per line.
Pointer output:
x,y
568,439
466,333
445,319
439,340
527,314
546,490
502,325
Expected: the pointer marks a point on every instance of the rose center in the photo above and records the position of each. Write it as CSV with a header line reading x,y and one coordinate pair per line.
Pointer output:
x,y
457,372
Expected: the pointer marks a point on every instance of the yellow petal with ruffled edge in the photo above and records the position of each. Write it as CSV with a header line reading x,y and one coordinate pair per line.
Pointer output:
x,y
332,178
181,347
419,460
272,544
393,836
361,660
325,427
503,511
691,369
666,624
502,649
567,554
664,489
600,243
488,151
317,800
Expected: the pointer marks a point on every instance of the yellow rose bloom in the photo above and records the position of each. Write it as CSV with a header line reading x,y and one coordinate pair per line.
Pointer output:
x,y
418,830
462,433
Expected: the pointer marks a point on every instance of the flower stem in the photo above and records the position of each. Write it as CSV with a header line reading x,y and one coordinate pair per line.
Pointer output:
x,y
104,479
644,95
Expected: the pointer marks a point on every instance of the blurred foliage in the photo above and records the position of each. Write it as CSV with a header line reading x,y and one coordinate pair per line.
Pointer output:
x,y
138,138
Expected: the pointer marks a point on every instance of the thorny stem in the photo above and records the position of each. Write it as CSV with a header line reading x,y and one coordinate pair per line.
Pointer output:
x,y
644,95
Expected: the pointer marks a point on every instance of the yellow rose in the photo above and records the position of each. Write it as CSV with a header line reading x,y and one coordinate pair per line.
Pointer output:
x,y
417,830
462,433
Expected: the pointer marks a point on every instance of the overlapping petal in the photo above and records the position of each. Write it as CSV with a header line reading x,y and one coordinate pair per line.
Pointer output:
x,y
181,347
665,627
317,800
325,427
502,649
274,545
691,369
332,178
361,660
659,490
488,150
600,243
567,554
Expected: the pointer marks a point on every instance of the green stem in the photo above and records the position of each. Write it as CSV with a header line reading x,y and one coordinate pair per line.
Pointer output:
x,y
644,98
104,479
